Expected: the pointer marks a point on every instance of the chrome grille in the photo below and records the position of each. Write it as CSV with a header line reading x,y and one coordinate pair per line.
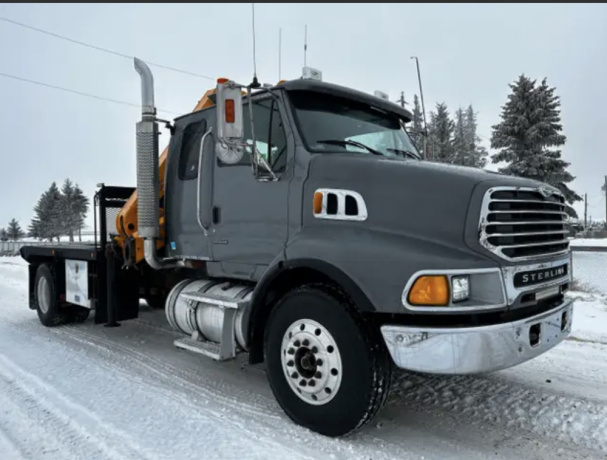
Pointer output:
x,y
519,223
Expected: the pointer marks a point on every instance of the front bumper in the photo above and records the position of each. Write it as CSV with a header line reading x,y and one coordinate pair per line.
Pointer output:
x,y
474,350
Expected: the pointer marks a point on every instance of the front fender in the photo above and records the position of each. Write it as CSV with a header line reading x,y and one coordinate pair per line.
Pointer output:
x,y
379,263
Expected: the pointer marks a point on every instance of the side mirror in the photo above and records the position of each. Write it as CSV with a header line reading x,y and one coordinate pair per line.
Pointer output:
x,y
229,147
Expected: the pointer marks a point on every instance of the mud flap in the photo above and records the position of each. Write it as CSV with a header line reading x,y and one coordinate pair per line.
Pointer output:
x,y
123,289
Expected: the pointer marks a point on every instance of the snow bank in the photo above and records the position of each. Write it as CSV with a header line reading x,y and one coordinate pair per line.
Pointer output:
x,y
589,242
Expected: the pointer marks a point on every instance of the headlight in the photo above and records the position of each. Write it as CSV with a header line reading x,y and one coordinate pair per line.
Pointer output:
x,y
455,290
460,288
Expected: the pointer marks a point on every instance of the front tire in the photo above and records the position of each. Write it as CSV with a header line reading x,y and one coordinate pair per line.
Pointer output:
x,y
329,371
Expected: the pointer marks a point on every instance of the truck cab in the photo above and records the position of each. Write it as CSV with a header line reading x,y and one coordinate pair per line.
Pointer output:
x,y
302,226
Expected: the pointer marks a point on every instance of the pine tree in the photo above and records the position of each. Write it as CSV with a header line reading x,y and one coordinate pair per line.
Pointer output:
x,y
440,135
80,208
69,216
47,221
3,235
529,133
14,232
417,126
460,146
476,154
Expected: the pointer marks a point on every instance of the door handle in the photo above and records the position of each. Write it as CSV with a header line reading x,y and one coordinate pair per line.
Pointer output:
x,y
216,214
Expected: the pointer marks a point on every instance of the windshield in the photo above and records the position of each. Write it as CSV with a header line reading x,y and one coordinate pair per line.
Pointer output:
x,y
331,124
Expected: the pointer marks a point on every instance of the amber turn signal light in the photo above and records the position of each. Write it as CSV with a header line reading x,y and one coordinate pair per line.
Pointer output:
x,y
430,290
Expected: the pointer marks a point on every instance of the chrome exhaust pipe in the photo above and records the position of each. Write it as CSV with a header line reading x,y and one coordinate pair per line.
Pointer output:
x,y
148,188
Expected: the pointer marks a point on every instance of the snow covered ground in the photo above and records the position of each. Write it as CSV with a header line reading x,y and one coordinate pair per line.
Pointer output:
x,y
589,242
89,392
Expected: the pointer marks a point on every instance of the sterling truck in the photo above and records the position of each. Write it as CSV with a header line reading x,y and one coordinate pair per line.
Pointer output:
x,y
299,224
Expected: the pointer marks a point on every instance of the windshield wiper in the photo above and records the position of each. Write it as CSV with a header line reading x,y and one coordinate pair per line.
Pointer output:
x,y
406,153
343,143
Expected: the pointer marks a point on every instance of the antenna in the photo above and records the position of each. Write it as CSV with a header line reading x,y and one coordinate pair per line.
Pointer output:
x,y
255,83
279,50
305,43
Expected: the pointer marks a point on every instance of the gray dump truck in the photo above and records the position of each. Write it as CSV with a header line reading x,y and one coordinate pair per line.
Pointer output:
x,y
306,230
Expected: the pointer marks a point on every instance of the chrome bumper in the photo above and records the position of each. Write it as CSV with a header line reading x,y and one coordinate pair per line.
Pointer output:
x,y
474,350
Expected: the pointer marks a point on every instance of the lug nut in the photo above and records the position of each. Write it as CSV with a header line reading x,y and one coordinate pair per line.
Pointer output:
x,y
291,351
302,383
294,375
312,383
318,375
319,362
306,342
290,363
297,343
314,350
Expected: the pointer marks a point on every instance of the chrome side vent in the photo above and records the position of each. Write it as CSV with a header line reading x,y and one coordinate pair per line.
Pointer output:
x,y
337,204
523,223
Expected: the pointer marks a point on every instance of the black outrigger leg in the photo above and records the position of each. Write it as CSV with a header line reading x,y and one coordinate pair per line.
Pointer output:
x,y
111,291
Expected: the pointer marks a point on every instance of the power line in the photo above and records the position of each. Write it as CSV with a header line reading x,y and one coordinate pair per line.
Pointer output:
x,y
99,48
80,93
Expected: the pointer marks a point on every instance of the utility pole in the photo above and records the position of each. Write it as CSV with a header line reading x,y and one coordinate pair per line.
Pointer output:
x,y
279,51
305,44
421,94
585,211
605,202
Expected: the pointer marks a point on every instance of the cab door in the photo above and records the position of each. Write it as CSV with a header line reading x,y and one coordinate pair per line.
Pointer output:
x,y
186,237
249,216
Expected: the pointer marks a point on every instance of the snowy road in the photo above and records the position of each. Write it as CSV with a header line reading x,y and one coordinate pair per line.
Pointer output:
x,y
88,392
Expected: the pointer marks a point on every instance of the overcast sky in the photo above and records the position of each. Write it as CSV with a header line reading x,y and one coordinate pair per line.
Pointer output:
x,y
468,53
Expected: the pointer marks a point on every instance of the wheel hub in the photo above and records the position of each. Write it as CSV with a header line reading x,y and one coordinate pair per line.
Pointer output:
x,y
311,362
44,295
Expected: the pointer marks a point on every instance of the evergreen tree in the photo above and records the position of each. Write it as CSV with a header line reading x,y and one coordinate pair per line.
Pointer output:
x,y
69,215
47,221
440,135
529,133
460,145
80,208
417,125
3,235
476,154
14,232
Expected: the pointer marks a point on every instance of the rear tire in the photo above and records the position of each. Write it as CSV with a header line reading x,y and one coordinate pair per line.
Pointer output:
x,y
333,374
49,312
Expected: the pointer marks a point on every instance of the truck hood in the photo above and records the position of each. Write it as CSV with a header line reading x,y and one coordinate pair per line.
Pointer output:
x,y
420,199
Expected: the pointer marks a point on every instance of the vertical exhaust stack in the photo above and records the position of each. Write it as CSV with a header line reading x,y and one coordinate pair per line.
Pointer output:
x,y
148,188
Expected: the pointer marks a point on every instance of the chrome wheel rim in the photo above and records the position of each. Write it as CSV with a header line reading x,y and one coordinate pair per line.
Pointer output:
x,y
311,362
44,295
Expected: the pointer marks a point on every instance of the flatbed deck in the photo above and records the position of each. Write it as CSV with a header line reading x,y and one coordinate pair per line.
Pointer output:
x,y
77,251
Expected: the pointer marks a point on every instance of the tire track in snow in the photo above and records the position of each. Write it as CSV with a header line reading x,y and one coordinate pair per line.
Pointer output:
x,y
481,400
382,447
8,447
263,411
43,405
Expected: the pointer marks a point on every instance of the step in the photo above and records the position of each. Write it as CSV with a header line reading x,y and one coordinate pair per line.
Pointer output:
x,y
209,349
215,300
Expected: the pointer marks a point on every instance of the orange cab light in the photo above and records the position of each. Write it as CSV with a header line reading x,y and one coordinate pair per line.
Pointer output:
x,y
281,81
318,203
230,111
430,290
221,81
